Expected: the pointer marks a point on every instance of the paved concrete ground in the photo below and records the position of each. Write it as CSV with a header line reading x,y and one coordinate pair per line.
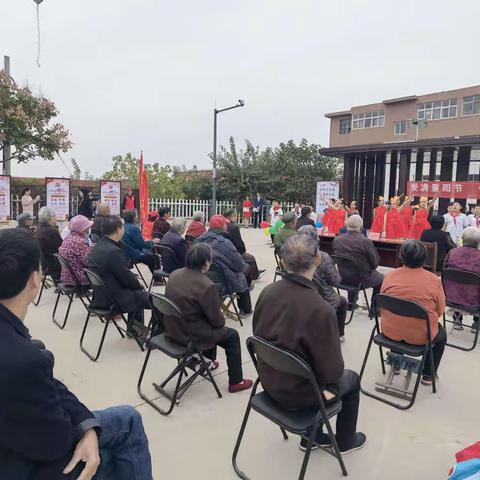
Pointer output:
x,y
197,439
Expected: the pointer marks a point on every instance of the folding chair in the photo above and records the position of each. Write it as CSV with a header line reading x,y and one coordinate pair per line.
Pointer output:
x,y
300,422
227,300
45,276
167,258
405,354
181,353
107,316
279,270
351,281
463,278
68,290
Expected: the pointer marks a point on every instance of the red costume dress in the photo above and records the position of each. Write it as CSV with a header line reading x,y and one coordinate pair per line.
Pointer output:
x,y
377,224
247,208
407,215
395,225
420,223
336,219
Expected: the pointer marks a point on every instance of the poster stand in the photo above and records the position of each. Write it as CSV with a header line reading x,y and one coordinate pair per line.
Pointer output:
x,y
110,195
5,198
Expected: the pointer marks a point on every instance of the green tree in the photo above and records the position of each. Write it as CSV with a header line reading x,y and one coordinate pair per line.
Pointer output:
x,y
26,123
162,183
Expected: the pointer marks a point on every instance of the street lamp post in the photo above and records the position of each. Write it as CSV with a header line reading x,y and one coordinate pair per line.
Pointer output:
x,y
240,103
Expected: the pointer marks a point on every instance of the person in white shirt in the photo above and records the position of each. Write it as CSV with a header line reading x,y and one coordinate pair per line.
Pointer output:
x,y
474,218
276,214
455,222
28,202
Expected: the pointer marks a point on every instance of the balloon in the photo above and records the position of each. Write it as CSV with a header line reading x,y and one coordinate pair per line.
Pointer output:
x,y
279,225
266,232
264,224
272,230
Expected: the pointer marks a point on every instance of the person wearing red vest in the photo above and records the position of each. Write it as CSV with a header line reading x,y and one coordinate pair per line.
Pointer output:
x,y
128,202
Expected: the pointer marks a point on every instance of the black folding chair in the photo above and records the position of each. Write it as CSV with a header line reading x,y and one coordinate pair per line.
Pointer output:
x,y
279,270
300,422
350,272
107,316
181,353
463,278
46,275
227,299
407,309
167,258
69,291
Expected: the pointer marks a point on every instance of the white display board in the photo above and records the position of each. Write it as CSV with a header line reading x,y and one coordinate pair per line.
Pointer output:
x,y
327,190
110,194
5,206
58,196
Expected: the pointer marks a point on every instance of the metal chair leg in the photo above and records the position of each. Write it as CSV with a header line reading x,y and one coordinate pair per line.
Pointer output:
x,y
99,351
70,301
141,275
336,450
209,374
37,302
284,433
354,307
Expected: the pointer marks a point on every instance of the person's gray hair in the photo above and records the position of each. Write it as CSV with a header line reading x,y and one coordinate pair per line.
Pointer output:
x,y
45,214
310,231
179,225
354,223
298,253
103,209
198,216
471,237
23,218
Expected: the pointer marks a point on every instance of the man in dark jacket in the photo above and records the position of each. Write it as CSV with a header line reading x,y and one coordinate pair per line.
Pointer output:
x,y
234,235
292,314
258,206
46,433
202,321
161,225
228,270
360,249
174,240
304,218
25,222
108,260
440,237
50,240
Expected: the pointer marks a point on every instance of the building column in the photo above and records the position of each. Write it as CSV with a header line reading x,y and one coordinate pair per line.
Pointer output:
x,y
379,183
463,164
446,175
404,171
393,174
368,197
348,175
419,166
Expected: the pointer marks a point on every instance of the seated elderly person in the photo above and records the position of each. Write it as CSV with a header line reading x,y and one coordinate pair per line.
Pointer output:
x,y
46,433
25,222
289,219
197,226
304,218
161,225
137,249
465,258
292,314
437,235
197,297
75,249
229,267
413,282
103,211
327,279
234,235
49,240
361,250
175,241
107,259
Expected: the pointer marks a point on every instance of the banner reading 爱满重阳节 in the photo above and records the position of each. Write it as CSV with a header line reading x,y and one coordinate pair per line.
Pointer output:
x,y
326,190
5,205
58,196
110,194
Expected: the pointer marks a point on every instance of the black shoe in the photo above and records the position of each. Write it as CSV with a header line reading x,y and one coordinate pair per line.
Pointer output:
x,y
323,440
359,442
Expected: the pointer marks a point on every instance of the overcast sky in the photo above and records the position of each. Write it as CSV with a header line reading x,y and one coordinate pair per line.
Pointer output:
x,y
146,74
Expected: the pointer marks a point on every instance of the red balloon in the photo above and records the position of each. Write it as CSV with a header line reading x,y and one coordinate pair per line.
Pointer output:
x,y
264,224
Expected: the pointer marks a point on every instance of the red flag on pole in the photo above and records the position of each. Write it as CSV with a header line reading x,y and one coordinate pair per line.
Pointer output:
x,y
143,184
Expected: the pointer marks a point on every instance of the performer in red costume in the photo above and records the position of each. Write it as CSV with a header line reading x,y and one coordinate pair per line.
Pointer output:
x,y
378,216
407,213
394,226
336,215
420,219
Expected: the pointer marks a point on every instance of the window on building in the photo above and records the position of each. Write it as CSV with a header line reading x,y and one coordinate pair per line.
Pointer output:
x,y
368,120
471,105
345,125
437,110
399,128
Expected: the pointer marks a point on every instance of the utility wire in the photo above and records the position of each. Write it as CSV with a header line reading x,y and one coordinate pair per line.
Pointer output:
x,y
38,34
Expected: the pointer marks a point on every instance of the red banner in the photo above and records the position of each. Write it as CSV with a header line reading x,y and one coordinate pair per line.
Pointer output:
x,y
444,189
143,182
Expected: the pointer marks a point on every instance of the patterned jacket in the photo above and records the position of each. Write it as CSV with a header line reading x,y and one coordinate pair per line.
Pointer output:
x,y
75,249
